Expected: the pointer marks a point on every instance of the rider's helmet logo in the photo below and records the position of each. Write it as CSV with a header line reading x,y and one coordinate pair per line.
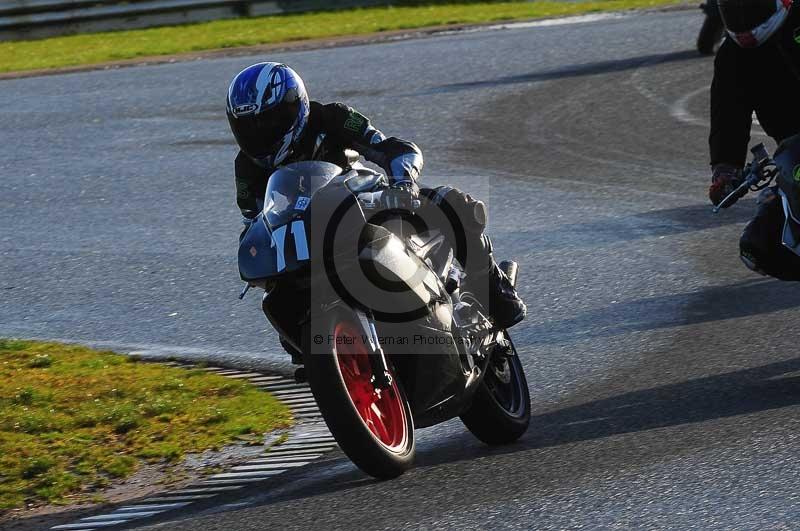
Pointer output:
x,y
796,174
797,35
247,108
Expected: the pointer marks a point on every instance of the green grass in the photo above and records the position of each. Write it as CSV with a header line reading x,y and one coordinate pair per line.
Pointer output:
x,y
97,48
72,420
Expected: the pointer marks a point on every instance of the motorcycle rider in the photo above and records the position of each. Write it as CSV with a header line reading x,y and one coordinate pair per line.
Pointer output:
x,y
275,123
757,69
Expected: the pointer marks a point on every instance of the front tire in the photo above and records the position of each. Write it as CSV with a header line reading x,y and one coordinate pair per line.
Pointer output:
x,y
374,427
501,409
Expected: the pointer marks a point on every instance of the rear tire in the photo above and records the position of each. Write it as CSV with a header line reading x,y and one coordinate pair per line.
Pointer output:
x,y
374,428
710,35
501,409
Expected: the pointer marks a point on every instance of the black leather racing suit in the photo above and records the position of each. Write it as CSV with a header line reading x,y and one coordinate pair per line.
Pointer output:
x,y
764,80
335,127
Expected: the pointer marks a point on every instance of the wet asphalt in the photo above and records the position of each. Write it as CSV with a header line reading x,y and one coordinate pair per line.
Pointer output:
x,y
664,375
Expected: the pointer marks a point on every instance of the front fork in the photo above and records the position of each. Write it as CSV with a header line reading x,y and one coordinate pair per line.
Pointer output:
x,y
381,375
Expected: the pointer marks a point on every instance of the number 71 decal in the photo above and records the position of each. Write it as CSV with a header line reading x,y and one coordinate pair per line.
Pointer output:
x,y
300,243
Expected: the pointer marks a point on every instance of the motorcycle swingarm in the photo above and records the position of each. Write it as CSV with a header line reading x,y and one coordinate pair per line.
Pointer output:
x,y
482,365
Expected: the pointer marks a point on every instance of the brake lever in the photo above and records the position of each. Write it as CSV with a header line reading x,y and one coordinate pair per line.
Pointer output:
x,y
740,190
245,289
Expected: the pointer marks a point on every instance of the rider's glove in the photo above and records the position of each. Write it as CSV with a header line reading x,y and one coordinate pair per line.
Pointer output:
x,y
401,195
724,180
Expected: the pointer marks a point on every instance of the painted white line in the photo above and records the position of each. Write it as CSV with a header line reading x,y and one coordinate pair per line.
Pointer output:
x,y
152,506
307,441
268,466
201,490
680,109
302,403
282,386
316,449
304,398
243,375
563,21
285,459
262,378
245,475
293,445
302,452
168,498
304,408
88,526
124,516
299,392
240,481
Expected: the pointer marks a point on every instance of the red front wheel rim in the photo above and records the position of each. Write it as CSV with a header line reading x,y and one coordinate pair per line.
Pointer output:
x,y
381,410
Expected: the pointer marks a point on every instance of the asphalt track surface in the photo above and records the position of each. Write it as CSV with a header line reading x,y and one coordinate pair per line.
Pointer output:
x,y
664,375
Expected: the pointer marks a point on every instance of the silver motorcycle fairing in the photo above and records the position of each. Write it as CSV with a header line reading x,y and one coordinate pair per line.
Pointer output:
x,y
787,158
791,227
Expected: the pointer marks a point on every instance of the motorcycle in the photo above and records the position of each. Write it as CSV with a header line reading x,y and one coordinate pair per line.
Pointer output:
x,y
712,30
783,168
374,308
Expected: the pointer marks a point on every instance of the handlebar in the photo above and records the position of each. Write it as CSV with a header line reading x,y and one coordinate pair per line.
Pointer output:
x,y
757,175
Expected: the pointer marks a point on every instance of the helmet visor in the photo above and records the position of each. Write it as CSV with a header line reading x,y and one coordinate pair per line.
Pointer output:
x,y
261,136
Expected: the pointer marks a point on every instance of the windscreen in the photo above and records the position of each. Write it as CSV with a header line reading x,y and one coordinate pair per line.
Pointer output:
x,y
290,188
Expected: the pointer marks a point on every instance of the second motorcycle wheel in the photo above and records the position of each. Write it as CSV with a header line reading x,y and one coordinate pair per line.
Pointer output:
x,y
501,410
711,34
373,426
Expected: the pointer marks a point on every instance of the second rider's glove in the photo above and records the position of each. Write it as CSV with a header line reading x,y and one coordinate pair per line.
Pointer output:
x,y
724,180
402,195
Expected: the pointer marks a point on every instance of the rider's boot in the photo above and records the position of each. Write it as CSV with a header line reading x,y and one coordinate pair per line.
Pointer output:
x,y
494,289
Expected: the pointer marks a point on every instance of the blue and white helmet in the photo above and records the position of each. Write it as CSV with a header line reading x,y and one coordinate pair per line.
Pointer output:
x,y
268,110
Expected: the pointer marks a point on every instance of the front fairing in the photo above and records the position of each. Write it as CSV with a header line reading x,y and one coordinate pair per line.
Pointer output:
x,y
257,257
277,240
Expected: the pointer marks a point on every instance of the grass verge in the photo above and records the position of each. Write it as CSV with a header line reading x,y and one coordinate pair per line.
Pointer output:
x,y
89,49
72,419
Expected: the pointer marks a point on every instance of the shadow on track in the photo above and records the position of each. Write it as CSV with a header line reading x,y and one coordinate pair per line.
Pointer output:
x,y
735,393
579,70
718,303
742,392
768,387
667,222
